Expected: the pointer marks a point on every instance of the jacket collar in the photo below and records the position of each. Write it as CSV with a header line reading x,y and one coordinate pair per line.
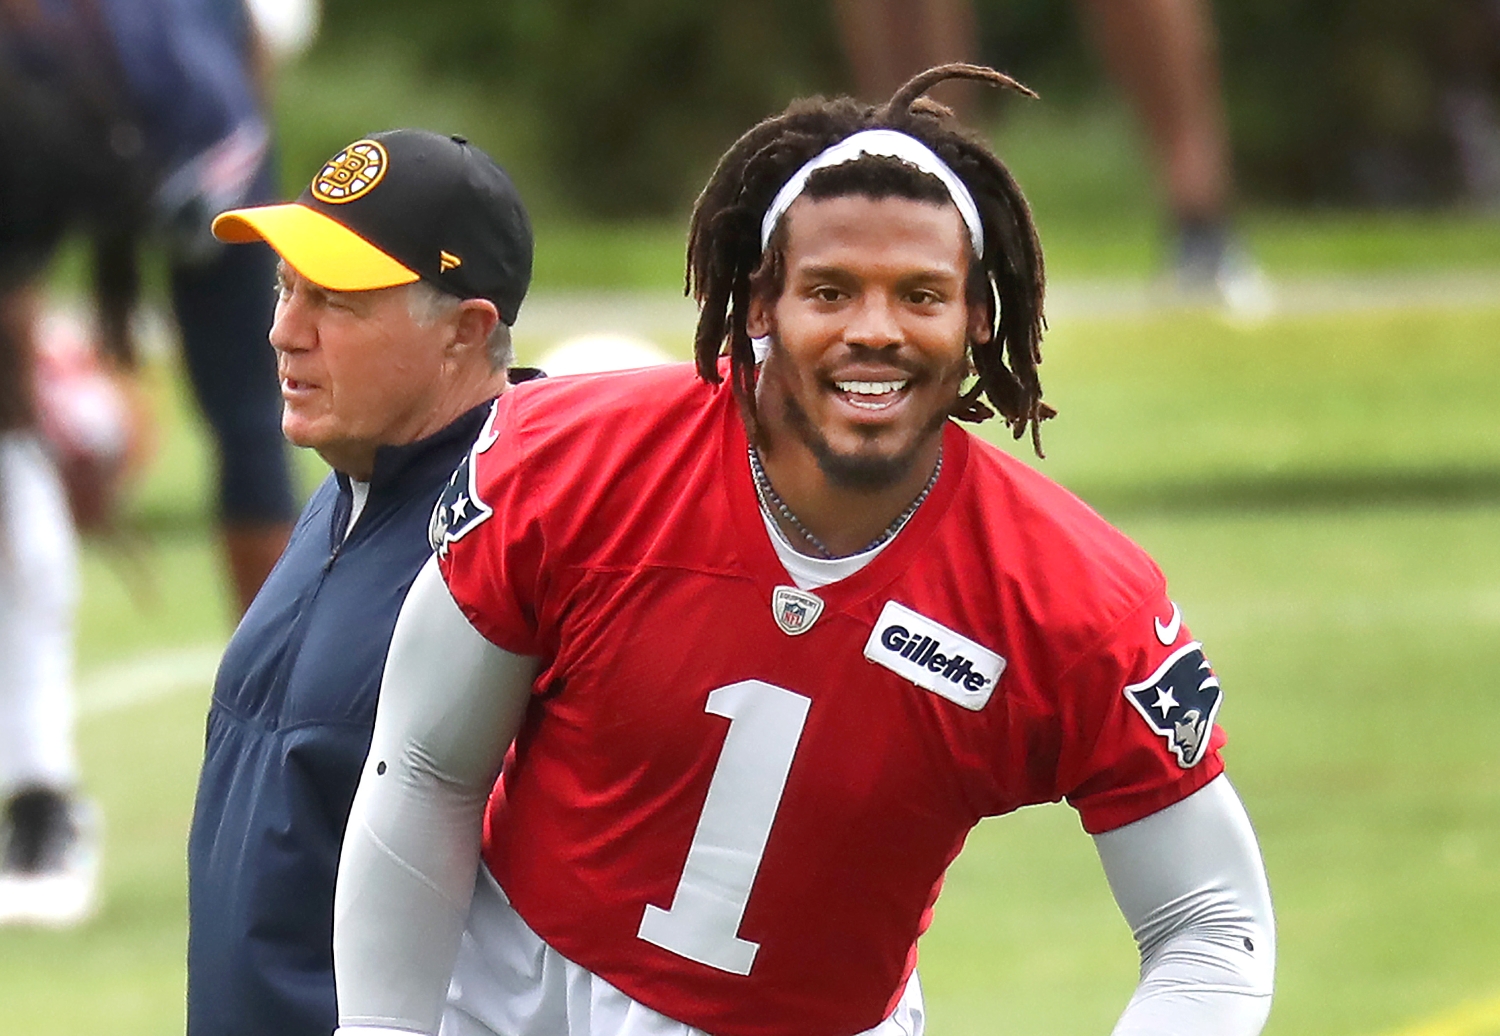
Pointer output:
x,y
399,466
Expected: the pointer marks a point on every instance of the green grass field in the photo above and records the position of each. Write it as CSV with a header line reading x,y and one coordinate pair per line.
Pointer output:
x,y
1324,493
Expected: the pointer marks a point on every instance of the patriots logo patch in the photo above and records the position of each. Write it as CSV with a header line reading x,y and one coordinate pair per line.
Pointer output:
x,y
459,509
1179,701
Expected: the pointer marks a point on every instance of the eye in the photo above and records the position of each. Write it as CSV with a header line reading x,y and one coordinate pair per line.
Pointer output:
x,y
924,297
340,302
827,293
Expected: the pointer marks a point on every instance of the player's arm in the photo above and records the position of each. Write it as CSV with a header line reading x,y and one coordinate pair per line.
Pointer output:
x,y
1190,881
450,705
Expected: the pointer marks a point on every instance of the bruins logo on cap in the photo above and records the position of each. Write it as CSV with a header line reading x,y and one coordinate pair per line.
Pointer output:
x,y
352,173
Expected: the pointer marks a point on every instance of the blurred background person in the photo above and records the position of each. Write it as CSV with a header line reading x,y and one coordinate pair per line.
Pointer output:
x,y
125,121
1162,53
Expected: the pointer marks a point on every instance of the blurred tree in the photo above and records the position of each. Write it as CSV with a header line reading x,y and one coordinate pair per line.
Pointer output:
x,y
1041,43
635,98
1383,102
1390,102
1375,101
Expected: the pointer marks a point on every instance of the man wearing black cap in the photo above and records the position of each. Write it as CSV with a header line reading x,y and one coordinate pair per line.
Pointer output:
x,y
403,266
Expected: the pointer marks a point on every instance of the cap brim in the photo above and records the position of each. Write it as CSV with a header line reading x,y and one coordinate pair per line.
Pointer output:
x,y
319,248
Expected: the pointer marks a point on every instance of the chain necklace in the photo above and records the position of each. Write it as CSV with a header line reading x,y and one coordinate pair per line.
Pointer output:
x,y
771,501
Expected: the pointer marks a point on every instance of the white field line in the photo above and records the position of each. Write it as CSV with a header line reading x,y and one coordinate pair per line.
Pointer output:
x,y
154,675
146,678
1472,1019
1480,607
1290,297
666,317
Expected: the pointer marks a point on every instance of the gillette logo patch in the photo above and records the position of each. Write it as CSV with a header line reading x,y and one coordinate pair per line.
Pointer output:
x,y
933,657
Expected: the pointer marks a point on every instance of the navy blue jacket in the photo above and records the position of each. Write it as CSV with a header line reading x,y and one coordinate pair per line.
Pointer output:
x,y
293,708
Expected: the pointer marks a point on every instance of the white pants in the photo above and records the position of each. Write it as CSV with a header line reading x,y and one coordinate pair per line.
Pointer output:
x,y
38,590
508,982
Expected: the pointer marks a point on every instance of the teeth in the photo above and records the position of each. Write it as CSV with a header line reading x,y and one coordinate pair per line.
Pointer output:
x,y
870,388
871,395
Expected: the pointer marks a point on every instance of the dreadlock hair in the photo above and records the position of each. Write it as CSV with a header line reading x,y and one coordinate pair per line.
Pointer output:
x,y
726,264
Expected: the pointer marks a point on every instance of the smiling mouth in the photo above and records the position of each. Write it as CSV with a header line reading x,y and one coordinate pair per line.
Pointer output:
x,y
872,395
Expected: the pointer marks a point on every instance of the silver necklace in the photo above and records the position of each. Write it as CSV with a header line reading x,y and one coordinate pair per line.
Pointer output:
x,y
771,501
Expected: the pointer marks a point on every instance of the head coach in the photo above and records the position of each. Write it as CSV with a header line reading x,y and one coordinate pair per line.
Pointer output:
x,y
403,266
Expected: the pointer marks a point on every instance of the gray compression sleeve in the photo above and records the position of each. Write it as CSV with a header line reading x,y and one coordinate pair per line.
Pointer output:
x,y
450,704
1189,879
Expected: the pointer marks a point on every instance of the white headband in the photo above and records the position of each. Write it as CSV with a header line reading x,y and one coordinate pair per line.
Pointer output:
x,y
883,142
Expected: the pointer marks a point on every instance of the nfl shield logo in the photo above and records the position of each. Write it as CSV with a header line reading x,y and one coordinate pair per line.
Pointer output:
x,y
795,610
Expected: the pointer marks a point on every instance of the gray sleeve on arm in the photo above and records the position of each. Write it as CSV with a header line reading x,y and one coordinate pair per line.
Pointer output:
x,y
1190,882
450,705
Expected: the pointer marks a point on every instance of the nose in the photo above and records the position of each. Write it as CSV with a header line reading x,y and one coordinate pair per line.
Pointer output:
x,y
291,328
873,322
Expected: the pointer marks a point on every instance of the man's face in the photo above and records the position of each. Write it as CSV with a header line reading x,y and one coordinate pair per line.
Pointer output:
x,y
357,371
869,334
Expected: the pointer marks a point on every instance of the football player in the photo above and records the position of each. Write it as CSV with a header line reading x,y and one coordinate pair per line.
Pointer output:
x,y
773,634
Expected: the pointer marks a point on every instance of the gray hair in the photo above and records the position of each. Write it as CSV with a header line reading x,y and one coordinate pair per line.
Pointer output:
x,y
428,303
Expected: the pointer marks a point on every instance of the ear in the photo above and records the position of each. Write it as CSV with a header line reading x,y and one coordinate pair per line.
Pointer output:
x,y
475,322
761,318
982,320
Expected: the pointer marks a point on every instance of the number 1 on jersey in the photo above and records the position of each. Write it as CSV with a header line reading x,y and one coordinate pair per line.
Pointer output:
x,y
765,724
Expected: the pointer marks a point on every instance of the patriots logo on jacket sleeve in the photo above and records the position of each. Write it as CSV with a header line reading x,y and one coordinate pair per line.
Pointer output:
x,y
1179,701
459,509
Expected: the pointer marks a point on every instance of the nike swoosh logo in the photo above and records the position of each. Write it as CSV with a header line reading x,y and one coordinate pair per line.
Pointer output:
x,y
1167,633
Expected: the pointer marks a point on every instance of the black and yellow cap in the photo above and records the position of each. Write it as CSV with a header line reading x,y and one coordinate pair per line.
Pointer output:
x,y
397,207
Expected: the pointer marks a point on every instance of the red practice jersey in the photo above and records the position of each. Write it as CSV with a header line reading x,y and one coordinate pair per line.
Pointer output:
x,y
735,802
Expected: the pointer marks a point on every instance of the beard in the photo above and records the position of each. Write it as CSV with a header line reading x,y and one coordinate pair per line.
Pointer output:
x,y
864,471
867,469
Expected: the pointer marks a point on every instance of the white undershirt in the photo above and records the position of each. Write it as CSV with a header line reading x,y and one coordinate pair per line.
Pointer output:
x,y
809,573
361,493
